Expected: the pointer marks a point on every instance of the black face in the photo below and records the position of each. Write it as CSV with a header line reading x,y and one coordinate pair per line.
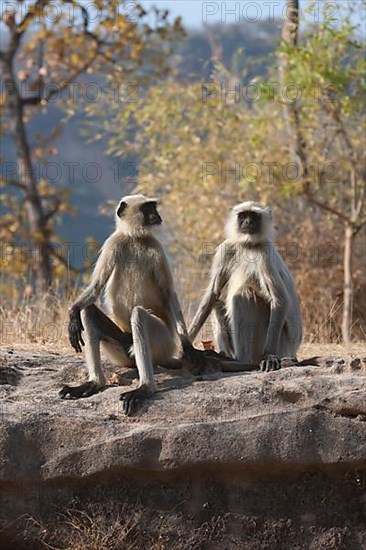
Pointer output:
x,y
250,222
150,213
122,207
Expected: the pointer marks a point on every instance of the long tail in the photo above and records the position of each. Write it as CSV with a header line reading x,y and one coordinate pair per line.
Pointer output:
x,y
312,362
231,365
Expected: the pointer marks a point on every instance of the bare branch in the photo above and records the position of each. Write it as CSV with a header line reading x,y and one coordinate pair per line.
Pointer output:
x,y
35,100
48,215
357,228
30,15
328,208
61,259
360,201
334,113
14,183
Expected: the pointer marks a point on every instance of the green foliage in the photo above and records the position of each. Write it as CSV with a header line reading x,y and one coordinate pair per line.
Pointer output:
x,y
328,68
329,65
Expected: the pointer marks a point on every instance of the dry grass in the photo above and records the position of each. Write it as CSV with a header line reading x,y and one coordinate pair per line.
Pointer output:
x,y
91,530
114,526
324,350
42,324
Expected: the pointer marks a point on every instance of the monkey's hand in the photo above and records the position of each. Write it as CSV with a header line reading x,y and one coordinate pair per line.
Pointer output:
x,y
270,363
199,361
75,330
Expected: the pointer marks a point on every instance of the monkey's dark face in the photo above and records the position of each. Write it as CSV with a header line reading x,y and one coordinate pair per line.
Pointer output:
x,y
249,222
150,214
137,215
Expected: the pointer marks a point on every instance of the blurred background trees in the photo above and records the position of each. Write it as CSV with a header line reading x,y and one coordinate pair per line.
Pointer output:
x,y
226,117
47,48
328,67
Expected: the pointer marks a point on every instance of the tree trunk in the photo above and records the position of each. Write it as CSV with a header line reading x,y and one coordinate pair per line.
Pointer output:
x,y
291,114
37,220
347,284
292,117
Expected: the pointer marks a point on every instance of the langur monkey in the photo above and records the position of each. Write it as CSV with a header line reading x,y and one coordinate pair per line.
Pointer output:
x,y
144,316
251,293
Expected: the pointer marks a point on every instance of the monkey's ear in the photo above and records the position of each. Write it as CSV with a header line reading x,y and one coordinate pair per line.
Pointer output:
x,y
121,208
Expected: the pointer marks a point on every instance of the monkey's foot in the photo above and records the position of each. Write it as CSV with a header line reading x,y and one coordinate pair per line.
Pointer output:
x,y
84,390
270,363
133,399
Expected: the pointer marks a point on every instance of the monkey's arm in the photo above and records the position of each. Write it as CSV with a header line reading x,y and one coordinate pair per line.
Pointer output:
x,y
164,279
102,271
219,278
278,310
197,360
180,324
208,301
194,357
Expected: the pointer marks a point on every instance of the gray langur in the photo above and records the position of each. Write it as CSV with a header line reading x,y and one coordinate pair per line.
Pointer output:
x,y
251,293
144,316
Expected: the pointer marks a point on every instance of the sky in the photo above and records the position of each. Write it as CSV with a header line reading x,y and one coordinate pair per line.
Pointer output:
x,y
197,12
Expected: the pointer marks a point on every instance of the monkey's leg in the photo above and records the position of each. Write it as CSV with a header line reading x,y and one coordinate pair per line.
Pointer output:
x,y
290,339
272,352
249,323
152,341
289,343
98,327
222,330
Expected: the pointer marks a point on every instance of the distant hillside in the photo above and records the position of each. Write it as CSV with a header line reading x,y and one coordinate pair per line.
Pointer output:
x,y
254,41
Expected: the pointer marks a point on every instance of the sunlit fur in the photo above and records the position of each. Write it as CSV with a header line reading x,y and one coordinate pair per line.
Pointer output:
x,y
233,232
133,270
252,295
131,222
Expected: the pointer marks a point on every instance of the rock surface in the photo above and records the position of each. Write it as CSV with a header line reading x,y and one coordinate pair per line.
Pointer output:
x,y
225,429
